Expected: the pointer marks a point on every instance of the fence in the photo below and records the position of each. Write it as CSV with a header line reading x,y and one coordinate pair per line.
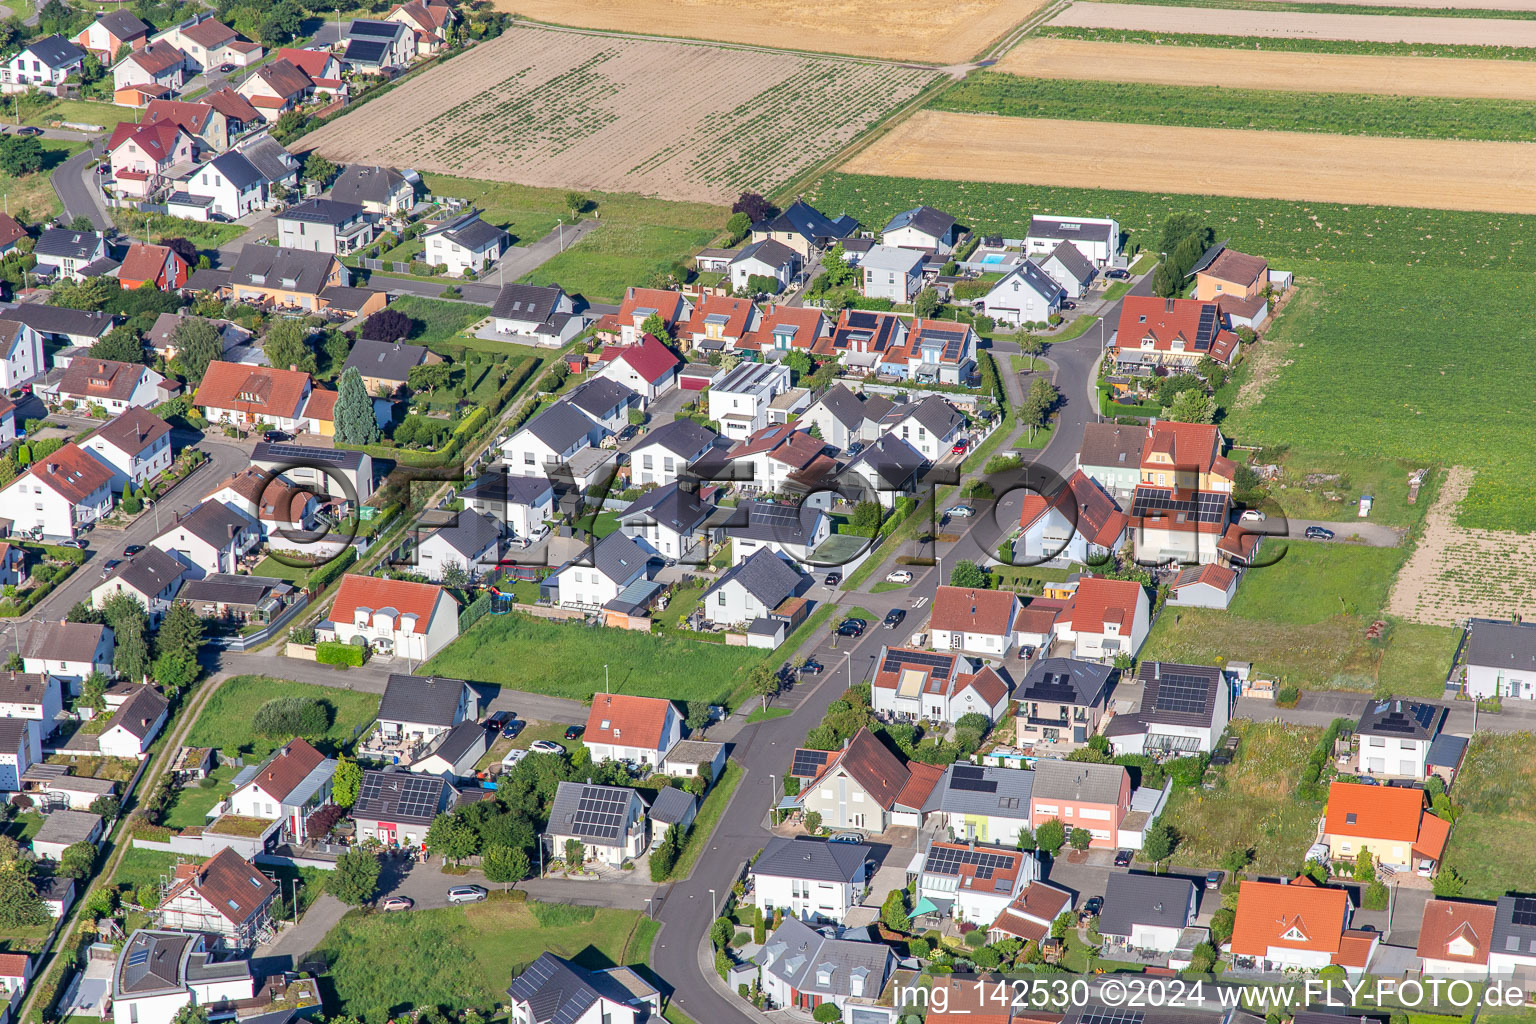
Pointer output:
x,y
476,611
390,266
244,643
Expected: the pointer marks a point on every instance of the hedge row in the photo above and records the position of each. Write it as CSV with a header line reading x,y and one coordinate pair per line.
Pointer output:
x,y
334,652
332,570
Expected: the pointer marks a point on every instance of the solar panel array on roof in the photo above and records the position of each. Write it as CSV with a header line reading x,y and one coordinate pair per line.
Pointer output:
x,y
1178,692
1402,718
309,455
1207,328
1111,1015
1054,687
599,812
894,660
947,860
971,778
1201,506
808,763
1525,911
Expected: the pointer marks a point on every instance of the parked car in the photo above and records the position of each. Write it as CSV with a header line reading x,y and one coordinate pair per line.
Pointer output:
x,y
899,576
572,731
109,565
812,667
1251,515
960,446
893,618
545,747
79,544
497,719
1117,274
273,436
1026,651
225,69
961,512
1123,858
1213,879
1094,905
628,432
833,579
851,627
845,837
1318,533
1068,304
855,448
132,549
29,130
511,729
467,894
396,903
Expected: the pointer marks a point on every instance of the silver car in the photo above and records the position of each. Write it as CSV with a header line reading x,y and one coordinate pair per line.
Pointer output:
x,y
466,894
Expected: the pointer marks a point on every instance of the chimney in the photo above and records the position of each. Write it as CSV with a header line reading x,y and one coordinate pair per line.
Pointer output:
x,y
294,367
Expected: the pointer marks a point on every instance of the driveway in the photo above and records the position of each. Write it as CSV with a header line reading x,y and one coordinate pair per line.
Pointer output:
x,y
525,259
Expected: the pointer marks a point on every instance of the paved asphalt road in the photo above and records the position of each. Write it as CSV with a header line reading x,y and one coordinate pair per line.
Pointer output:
x,y
74,182
1370,534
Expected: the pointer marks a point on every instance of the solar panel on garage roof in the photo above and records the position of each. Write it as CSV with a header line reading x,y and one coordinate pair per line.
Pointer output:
x,y
894,660
305,452
808,762
1185,693
970,778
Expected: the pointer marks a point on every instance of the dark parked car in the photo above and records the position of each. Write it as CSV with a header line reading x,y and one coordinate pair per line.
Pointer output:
x,y
133,549
1123,858
851,627
225,69
833,579
29,130
1094,905
273,436
511,729
1117,274
573,731
812,667
1068,304
109,565
893,618
497,719
1213,879
1319,533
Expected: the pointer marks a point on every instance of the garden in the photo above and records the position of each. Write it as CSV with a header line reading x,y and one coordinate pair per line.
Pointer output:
x,y
330,718
1495,819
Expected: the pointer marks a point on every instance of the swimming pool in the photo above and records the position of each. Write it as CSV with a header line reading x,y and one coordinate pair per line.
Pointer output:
x,y
992,257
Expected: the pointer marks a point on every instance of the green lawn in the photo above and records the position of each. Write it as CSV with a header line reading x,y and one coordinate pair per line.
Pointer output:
x,y
270,566
462,957
154,226
30,197
438,319
566,660
1338,481
1370,371
140,867
78,111
708,817
994,92
225,722
768,714
1310,581
1255,806
1307,44
1489,843
193,802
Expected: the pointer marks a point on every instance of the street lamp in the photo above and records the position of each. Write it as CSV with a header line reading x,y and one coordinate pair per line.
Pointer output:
x,y
773,799
712,912
649,908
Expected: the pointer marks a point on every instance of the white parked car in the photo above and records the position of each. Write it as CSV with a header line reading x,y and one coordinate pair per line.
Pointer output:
x,y
1252,515
466,894
962,512
898,576
546,747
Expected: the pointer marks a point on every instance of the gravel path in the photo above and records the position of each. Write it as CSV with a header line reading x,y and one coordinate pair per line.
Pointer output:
x,y
1379,28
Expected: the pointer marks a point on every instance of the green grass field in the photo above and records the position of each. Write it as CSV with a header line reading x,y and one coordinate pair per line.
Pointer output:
x,y
1498,822
193,802
706,820
1429,117
31,197
566,660
1299,44
438,320
140,867
225,723
1311,581
1347,477
1371,373
462,957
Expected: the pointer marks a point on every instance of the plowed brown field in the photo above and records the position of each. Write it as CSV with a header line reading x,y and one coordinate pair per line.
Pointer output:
x,y
937,31
1051,57
1376,28
1495,176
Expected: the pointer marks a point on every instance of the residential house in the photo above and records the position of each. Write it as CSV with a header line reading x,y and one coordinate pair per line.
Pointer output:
x,y
159,67
767,260
1171,335
385,366
1211,585
844,417
970,881
13,564
115,387
688,758
322,67
913,685
1097,238
718,324
606,402
1227,273
522,504
155,265
226,896
22,360
1025,295
546,313
152,576
429,22
59,495
110,32
237,599
159,972
549,440
472,542
327,473
751,589
1297,926
885,470
1180,508
415,710
211,537
466,245
808,879
229,186
146,158
932,426
12,231
1079,523
783,329
399,617
646,367
972,621
639,305
62,829
621,727
1145,912
1062,702
556,991
601,573
236,110
35,695
739,398
276,87
277,507
454,754
1068,267
15,972
1514,932
892,273
69,254
804,968
804,228
376,189
1456,937
135,445
1105,618
270,275
1029,917
372,46
1395,737
922,227
209,43
980,803
1095,797
397,808
20,749
69,651
860,338
1393,823
934,350
778,455
793,531
1184,710
863,785
669,521
1500,659
325,225
43,64
664,454
608,821
247,395
291,784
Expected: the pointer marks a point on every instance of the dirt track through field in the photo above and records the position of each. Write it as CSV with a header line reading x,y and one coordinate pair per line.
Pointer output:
x,y
1495,176
1085,60
1376,28
936,31
562,109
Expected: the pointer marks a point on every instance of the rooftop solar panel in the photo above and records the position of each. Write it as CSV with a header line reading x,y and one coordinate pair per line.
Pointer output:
x,y
1184,693
970,778
808,762
305,452
1525,911
895,659
948,860
1111,1015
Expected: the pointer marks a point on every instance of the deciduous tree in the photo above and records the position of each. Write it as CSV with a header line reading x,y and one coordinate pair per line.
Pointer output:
x,y
355,878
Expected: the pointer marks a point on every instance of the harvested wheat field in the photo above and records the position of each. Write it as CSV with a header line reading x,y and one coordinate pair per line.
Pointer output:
x,y
1493,176
936,31
1455,573
562,109
1085,60
1374,28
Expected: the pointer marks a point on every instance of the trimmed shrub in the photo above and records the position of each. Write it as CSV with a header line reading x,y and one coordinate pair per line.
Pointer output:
x,y
334,652
285,717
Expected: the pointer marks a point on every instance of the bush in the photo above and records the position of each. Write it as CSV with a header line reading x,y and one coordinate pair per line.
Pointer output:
x,y
334,652
330,571
1375,897
1288,696
285,717
826,1013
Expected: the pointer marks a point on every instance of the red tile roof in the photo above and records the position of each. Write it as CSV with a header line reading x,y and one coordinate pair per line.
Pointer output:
x,y
989,686
870,763
668,303
1083,503
321,405
649,358
134,430
227,883
968,610
1469,926
157,57
1238,543
1030,914
232,105
311,62
72,473
1006,867
625,720
288,767
810,322
1166,321
192,117
158,140
1098,601
1211,574
738,311
1388,813
1433,832
1300,916
1039,615
257,390
145,264
1355,948
14,965
921,779
1185,446
403,596
11,230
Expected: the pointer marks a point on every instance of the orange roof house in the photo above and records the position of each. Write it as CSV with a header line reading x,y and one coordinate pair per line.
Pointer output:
x,y
1300,925
1392,823
622,727
1105,618
1231,273
718,319
782,328
1455,936
414,620
638,305
1030,915
1079,523
247,395
154,265
913,684
978,621
1169,332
